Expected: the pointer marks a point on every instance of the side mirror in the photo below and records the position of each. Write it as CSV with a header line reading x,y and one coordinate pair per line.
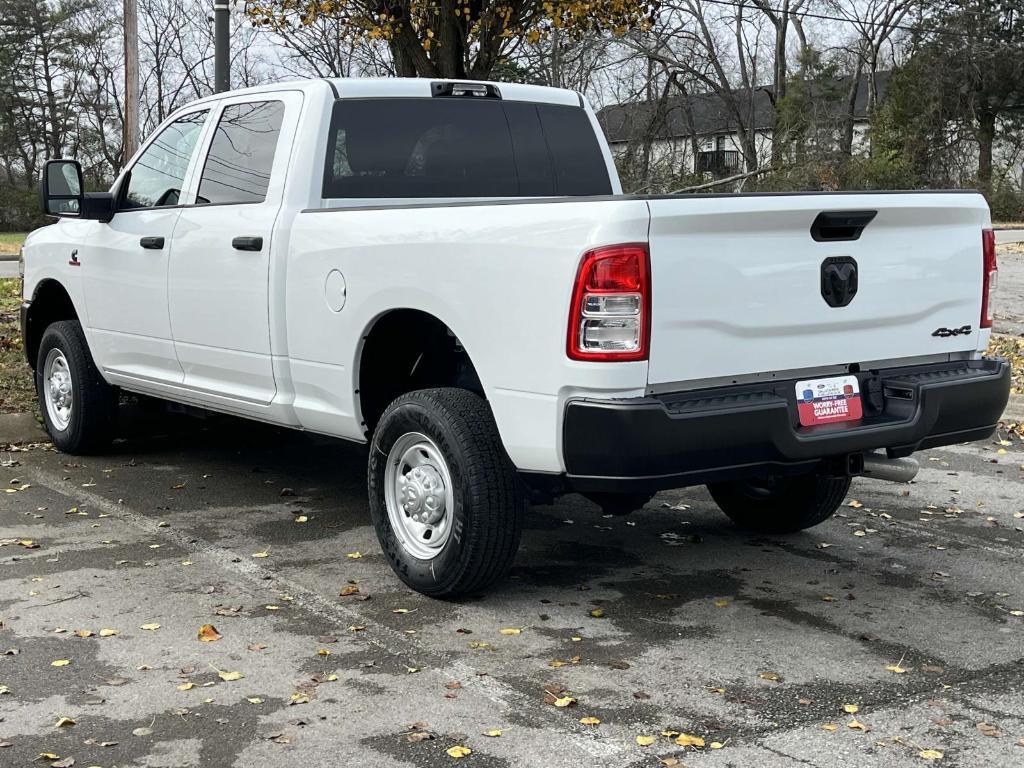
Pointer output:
x,y
62,193
62,188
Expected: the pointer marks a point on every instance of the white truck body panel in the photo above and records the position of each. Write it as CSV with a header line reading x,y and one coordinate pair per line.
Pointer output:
x,y
737,285
499,276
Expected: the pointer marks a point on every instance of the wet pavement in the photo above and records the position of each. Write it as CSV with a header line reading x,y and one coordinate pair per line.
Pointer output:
x,y
908,606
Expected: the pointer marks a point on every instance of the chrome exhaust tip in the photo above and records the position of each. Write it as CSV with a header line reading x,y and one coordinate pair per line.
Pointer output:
x,y
879,467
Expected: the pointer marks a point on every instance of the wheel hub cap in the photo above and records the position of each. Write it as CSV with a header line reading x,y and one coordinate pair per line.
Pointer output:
x,y
58,389
423,493
417,494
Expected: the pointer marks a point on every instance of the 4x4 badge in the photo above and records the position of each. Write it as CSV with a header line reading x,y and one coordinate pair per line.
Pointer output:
x,y
944,333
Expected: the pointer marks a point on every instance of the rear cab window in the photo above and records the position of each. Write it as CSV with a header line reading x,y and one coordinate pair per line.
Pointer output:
x,y
461,148
241,155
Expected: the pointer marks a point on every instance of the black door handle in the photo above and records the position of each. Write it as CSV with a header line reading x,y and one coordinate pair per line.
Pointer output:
x,y
247,243
153,243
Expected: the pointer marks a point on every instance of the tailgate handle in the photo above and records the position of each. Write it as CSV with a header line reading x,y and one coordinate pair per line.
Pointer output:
x,y
835,226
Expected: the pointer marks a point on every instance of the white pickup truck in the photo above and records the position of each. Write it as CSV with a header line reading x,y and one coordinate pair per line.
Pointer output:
x,y
449,272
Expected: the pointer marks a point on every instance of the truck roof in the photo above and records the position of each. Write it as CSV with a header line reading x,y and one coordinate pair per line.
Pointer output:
x,y
407,87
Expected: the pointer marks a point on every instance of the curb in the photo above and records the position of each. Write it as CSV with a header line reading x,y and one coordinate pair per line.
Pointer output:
x,y
20,428
1014,409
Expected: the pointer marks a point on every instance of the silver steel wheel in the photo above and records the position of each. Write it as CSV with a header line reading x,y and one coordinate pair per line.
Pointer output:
x,y
58,389
418,495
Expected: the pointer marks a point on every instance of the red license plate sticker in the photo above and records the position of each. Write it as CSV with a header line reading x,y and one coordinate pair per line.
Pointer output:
x,y
824,401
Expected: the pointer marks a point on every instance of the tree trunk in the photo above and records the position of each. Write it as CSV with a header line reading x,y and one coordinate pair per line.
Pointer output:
x,y
846,139
986,134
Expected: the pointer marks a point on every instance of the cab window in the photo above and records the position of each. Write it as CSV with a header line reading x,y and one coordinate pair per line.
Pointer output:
x,y
241,155
158,175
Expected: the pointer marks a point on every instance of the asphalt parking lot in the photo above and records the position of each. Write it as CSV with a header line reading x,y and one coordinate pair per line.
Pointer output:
x,y
908,606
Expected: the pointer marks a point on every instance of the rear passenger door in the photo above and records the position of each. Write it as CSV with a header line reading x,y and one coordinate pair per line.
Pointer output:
x,y
222,247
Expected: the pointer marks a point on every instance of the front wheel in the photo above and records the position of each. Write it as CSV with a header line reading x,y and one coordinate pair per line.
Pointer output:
x,y
79,408
782,504
445,500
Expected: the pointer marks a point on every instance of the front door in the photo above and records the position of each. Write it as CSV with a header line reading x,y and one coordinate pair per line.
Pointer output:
x,y
124,262
220,265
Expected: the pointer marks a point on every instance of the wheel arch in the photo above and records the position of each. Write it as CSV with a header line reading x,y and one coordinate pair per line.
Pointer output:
x,y
51,301
405,349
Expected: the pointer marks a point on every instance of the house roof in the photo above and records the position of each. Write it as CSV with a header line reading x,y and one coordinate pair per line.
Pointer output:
x,y
710,115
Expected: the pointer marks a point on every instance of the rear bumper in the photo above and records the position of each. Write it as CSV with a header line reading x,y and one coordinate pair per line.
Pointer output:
x,y
691,438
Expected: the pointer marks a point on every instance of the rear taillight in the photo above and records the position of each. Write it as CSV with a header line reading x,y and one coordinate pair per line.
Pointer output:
x,y
989,276
610,314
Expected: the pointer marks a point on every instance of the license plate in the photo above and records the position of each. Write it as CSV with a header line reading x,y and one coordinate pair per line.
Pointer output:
x,y
824,401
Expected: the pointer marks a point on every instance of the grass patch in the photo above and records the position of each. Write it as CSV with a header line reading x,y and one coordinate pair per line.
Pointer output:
x,y
16,392
10,242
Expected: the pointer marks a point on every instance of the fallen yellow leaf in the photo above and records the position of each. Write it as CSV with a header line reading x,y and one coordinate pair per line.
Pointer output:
x,y
857,725
771,676
716,745
108,632
254,700
84,632
930,754
60,663
301,519
458,751
851,709
646,741
208,634
493,733
151,627
721,603
829,727
597,613
896,669
186,686
511,631
63,722
564,701
264,553
590,721
688,740
323,652
229,676
354,555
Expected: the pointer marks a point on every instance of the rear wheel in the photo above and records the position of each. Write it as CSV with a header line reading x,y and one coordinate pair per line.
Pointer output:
x,y
79,408
782,504
446,503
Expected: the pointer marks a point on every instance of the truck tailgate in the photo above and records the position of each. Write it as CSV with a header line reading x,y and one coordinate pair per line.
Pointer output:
x,y
737,282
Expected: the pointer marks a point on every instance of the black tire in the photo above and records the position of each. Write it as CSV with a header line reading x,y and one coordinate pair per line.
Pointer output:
x,y
618,503
487,503
782,505
93,414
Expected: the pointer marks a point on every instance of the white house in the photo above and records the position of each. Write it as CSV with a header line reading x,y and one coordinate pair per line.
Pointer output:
x,y
707,121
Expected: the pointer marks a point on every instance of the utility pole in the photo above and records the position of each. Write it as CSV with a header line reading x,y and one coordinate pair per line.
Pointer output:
x,y
221,33
130,140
